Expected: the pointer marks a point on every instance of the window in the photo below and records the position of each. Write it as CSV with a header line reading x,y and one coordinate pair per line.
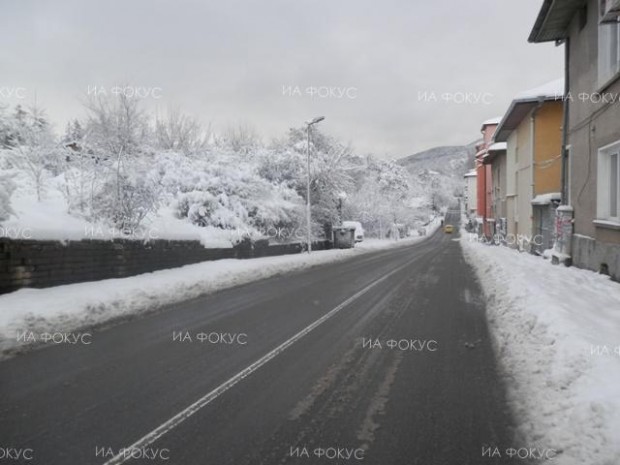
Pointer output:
x,y
608,195
608,51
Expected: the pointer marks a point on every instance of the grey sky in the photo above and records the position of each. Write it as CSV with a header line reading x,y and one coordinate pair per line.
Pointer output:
x,y
227,61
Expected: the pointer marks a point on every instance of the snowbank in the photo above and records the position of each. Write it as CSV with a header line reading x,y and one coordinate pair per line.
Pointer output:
x,y
74,307
557,334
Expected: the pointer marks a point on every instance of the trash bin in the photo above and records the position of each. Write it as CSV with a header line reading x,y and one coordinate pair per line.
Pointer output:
x,y
344,237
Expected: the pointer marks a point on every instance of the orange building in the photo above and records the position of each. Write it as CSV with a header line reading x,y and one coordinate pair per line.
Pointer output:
x,y
532,129
484,179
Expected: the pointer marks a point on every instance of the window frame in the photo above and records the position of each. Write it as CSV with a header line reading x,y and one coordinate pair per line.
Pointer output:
x,y
608,67
604,183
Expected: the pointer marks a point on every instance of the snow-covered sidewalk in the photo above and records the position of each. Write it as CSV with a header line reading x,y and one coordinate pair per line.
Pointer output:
x,y
557,334
75,307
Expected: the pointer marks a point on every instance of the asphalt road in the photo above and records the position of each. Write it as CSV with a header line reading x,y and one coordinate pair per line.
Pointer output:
x,y
382,359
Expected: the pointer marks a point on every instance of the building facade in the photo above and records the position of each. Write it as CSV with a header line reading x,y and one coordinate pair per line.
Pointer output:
x,y
590,214
532,131
470,193
496,158
484,179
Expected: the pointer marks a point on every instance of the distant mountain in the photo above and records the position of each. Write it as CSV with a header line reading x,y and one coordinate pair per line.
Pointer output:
x,y
448,160
440,168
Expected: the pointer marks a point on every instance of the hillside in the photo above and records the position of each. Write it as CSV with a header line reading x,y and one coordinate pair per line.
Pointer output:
x,y
447,160
440,168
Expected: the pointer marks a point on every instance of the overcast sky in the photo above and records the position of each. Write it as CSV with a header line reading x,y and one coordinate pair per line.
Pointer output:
x,y
232,61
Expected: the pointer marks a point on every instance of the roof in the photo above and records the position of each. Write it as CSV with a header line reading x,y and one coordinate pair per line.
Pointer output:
x,y
553,20
553,89
491,121
524,103
494,151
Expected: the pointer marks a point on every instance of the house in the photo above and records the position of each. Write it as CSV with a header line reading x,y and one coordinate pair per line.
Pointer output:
x,y
496,158
484,181
588,222
532,131
470,193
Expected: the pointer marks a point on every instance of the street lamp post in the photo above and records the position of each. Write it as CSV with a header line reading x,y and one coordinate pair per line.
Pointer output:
x,y
316,120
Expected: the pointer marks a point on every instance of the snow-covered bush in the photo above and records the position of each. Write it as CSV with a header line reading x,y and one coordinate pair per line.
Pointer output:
x,y
120,194
80,182
215,190
125,201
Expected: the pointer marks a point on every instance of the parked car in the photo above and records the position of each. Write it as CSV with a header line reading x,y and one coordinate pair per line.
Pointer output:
x,y
359,231
448,229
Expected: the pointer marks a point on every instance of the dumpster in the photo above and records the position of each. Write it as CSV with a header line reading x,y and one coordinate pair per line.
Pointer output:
x,y
344,237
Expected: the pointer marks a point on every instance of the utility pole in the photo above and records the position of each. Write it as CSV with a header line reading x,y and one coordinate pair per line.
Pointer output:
x,y
316,120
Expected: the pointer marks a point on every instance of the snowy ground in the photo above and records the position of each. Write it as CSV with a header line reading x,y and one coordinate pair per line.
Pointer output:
x,y
48,219
557,334
74,307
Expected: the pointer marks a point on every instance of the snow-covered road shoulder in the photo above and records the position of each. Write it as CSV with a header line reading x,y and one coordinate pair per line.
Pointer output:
x,y
29,313
556,331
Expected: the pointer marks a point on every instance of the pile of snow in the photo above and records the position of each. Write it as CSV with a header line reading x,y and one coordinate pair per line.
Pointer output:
x,y
75,307
557,335
546,199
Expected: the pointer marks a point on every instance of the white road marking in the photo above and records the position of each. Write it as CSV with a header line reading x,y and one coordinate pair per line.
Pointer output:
x,y
183,415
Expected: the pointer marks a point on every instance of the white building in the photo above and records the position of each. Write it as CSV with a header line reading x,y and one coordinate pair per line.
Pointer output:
x,y
471,192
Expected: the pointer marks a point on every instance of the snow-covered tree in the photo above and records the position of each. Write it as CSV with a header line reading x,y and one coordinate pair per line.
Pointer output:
x,y
241,138
127,197
120,166
117,139
7,129
36,152
382,196
74,135
330,171
6,189
178,132
116,125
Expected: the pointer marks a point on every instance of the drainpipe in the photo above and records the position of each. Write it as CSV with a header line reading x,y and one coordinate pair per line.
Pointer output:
x,y
541,101
562,249
565,123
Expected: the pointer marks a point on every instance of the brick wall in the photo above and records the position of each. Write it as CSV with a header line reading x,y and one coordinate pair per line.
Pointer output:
x,y
30,263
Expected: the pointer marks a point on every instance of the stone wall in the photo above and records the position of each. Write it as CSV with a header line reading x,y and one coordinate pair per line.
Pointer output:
x,y
596,256
38,264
